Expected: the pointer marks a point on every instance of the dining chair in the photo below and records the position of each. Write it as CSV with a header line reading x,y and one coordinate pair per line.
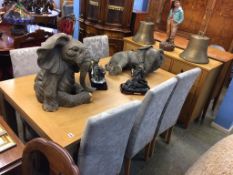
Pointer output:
x,y
42,157
31,39
66,24
173,107
24,62
98,46
103,144
147,119
67,9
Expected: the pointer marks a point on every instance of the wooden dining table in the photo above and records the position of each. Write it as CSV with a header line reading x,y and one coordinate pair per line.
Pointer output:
x,y
66,125
7,39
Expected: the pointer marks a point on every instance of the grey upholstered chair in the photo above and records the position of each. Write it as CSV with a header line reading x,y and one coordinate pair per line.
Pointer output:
x,y
98,46
24,61
67,9
147,119
173,107
104,142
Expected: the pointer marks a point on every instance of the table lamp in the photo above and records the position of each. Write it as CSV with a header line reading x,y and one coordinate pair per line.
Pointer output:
x,y
18,16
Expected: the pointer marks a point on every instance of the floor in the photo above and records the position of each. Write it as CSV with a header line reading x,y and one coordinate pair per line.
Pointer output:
x,y
186,146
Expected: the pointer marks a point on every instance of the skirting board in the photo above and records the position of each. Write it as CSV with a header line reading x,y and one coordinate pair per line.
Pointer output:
x,y
220,128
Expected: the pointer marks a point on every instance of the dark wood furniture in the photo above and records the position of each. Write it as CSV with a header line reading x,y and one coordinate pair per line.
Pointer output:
x,y
10,159
225,57
201,91
7,40
42,156
48,20
31,39
111,17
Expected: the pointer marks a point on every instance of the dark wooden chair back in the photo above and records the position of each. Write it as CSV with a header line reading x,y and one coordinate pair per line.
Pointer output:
x,y
31,39
41,156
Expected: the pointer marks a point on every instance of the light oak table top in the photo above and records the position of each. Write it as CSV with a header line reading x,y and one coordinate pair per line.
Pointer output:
x,y
67,125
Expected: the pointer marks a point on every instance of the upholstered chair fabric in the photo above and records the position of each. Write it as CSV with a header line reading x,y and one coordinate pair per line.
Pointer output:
x,y
98,46
177,99
24,61
148,116
67,10
103,144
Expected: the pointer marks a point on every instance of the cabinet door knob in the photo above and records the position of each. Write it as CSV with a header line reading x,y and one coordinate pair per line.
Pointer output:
x,y
181,70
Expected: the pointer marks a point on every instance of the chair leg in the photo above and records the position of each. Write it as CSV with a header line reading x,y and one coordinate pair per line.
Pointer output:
x,y
127,166
147,151
75,153
152,147
168,135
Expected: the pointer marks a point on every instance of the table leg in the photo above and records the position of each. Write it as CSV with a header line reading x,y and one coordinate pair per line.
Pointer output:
x,y
8,113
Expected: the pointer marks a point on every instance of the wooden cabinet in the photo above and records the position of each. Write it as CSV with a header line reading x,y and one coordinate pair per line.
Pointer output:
x,y
10,160
111,17
203,87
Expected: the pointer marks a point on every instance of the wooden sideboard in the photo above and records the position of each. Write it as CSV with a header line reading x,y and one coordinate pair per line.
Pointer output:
x,y
101,17
203,87
224,57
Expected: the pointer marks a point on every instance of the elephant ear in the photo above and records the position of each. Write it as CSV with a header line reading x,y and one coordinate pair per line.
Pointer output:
x,y
50,53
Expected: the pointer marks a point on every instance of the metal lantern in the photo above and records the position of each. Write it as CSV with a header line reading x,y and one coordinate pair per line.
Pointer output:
x,y
145,33
196,51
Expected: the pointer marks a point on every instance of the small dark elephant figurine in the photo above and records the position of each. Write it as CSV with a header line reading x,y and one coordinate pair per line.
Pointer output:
x,y
59,58
148,58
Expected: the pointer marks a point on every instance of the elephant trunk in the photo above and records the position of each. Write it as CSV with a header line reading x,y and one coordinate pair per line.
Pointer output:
x,y
84,69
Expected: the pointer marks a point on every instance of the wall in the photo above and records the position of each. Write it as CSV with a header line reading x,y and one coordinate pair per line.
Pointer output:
x,y
57,2
224,117
76,12
140,5
220,24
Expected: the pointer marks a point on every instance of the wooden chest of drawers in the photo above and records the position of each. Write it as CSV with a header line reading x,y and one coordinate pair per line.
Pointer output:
x,y
203,87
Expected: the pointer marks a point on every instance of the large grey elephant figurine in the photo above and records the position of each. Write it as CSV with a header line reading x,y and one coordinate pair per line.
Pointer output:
x,y
59,57
147,57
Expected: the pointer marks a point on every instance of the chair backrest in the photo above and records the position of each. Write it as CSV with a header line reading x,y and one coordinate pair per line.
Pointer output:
x,y
148,116
24,61
31,39
172,110
66,25
41,156
67,9
98,46
217,47
104,142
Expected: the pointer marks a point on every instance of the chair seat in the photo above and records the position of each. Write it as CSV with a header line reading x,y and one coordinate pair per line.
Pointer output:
x,y
218,160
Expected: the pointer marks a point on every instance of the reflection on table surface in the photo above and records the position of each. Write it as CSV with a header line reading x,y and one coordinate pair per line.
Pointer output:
x,y
7,40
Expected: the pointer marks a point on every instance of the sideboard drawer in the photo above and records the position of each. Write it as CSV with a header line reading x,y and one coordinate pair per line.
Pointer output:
x,y
166,63
179,67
